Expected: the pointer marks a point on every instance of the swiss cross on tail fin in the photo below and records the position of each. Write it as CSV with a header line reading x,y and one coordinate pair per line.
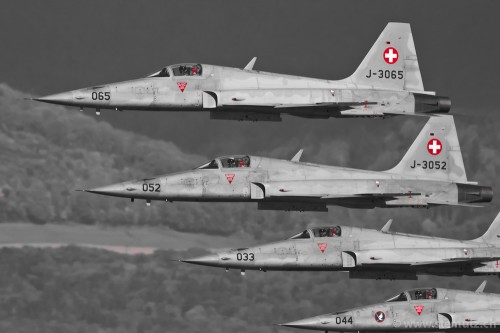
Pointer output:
x,y
391,55
434,146
392,62
435,153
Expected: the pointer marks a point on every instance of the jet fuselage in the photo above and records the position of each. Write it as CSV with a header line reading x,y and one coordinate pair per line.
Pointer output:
x,y
286,185
416,310
364,253
232,93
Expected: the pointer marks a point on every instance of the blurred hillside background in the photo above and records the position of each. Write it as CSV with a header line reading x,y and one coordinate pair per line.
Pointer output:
x,y
47,152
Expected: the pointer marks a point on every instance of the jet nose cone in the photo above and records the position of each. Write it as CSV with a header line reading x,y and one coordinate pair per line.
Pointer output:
x,y
308,323
65,98
118,190
206,260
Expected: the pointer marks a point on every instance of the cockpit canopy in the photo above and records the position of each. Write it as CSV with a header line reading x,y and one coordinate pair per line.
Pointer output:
x,y
415,294
303,235
327,231
335,231
226,162
179,70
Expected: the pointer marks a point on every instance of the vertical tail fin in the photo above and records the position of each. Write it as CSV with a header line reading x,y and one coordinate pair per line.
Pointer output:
x,y
392,62
435,153
492,235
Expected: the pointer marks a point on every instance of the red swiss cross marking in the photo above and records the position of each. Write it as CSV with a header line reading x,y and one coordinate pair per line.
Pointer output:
x,y
419,309
322,247
230,177
391,55
434,147
182,85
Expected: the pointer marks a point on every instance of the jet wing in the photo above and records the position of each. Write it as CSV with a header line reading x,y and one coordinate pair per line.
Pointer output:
x,y
344,107
451,203
452,261
340,105
386,196
443,262
415,114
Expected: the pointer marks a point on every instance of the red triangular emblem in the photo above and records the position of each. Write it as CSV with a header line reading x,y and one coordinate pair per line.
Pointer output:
x,y
419,309
322,247
230,177
182,85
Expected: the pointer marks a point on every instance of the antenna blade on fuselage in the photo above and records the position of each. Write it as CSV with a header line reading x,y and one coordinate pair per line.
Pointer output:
x,y
250,65
386,227
297,156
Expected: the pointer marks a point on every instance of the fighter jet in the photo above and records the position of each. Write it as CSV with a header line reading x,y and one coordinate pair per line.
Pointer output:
x,y
367,254
387,83
416,310
431,173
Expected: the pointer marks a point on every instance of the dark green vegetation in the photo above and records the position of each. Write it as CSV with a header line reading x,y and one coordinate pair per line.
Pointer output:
x,y
74,290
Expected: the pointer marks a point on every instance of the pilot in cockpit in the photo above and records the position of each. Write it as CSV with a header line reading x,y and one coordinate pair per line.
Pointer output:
x,y
183,70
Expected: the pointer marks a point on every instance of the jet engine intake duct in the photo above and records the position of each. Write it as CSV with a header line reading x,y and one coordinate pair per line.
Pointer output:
x,y
431,104
474,193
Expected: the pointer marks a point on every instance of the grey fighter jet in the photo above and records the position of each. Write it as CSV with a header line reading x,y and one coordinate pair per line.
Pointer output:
x,y
388,82
431,173
367,254
416,310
